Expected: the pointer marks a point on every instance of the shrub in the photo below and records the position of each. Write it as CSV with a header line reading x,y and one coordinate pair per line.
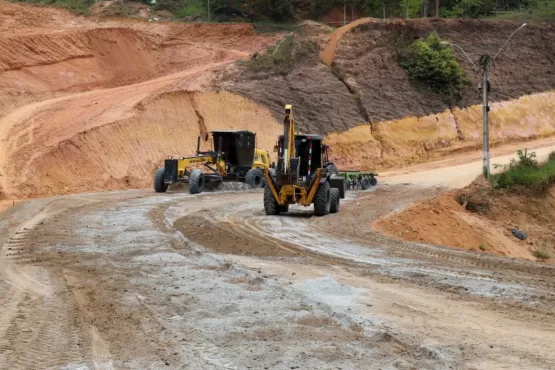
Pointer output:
x,y
482,247
432,64
77,6
282,58
541,254
526,173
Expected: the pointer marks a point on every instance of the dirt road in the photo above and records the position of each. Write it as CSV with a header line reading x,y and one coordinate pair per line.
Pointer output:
x,y
459,171
137,280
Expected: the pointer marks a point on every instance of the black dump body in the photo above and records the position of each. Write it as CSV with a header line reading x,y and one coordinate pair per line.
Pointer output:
x,y
238,148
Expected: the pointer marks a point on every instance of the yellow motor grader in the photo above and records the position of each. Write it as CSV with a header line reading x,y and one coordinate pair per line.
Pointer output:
x,y
235,158
304,173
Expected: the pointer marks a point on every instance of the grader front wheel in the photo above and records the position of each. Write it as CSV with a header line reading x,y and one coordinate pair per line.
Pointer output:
x,y
196,181
254,178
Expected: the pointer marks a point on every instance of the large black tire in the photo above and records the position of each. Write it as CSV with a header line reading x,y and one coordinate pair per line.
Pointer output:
x,y
365,183
196,181
159,185
373,181
322,200
255,178
334,208
270,205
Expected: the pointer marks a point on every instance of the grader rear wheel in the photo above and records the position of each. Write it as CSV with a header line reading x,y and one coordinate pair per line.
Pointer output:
x,y
159,185
322,200
255,178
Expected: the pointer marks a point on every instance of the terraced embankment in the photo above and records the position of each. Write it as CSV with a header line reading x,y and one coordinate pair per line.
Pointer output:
x,y
90,104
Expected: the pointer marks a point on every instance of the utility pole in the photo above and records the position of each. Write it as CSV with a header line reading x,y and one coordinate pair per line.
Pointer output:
x,y
407,8
485,63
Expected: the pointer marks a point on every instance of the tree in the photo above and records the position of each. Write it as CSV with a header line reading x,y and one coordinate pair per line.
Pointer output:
x,y
432,64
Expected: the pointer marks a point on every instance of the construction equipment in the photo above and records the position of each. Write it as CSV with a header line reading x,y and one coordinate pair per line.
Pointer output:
x,y
235,158
303,174
366,179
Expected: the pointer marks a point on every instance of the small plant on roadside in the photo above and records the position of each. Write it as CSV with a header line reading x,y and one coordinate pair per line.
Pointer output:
x,y
526,173
482,247
541,254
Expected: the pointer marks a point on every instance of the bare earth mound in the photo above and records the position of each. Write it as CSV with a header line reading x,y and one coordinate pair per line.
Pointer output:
x,y
483,222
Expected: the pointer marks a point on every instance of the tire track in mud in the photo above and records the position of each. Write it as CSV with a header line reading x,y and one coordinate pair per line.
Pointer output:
x,y
427,265
40,324
39,328
202,348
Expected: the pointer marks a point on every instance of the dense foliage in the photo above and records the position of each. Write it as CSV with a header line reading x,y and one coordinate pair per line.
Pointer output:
x,y
292,10
432,64
281,58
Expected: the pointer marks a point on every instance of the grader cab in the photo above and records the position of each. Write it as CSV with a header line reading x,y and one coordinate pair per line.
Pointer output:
x,y
234,158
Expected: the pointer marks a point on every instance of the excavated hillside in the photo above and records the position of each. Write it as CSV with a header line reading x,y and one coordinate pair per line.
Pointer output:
x,y
360,82
89,103
47,52
94,104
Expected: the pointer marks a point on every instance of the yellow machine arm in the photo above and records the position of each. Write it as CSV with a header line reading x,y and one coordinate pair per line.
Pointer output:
x,y
184,163
289,137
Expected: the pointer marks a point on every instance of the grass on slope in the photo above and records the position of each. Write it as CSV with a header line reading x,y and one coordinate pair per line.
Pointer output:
x,y
527,174
77,6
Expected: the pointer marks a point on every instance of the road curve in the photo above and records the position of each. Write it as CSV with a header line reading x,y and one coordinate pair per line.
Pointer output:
x,y
138,280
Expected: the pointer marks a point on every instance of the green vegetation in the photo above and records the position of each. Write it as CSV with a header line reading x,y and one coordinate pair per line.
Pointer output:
x,y
433,65
541,254
282,57
482,247
77,6
526,173
286,11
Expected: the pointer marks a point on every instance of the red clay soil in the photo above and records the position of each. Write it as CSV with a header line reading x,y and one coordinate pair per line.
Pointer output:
x,y
483,223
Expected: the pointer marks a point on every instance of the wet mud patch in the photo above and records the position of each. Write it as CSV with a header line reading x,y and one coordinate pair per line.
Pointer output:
x,y
226,237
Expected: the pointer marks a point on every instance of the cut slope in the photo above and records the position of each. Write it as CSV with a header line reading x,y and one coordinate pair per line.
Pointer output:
x,y
126,152
366,56
78,143
419,139
73,53
366,83
85,103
